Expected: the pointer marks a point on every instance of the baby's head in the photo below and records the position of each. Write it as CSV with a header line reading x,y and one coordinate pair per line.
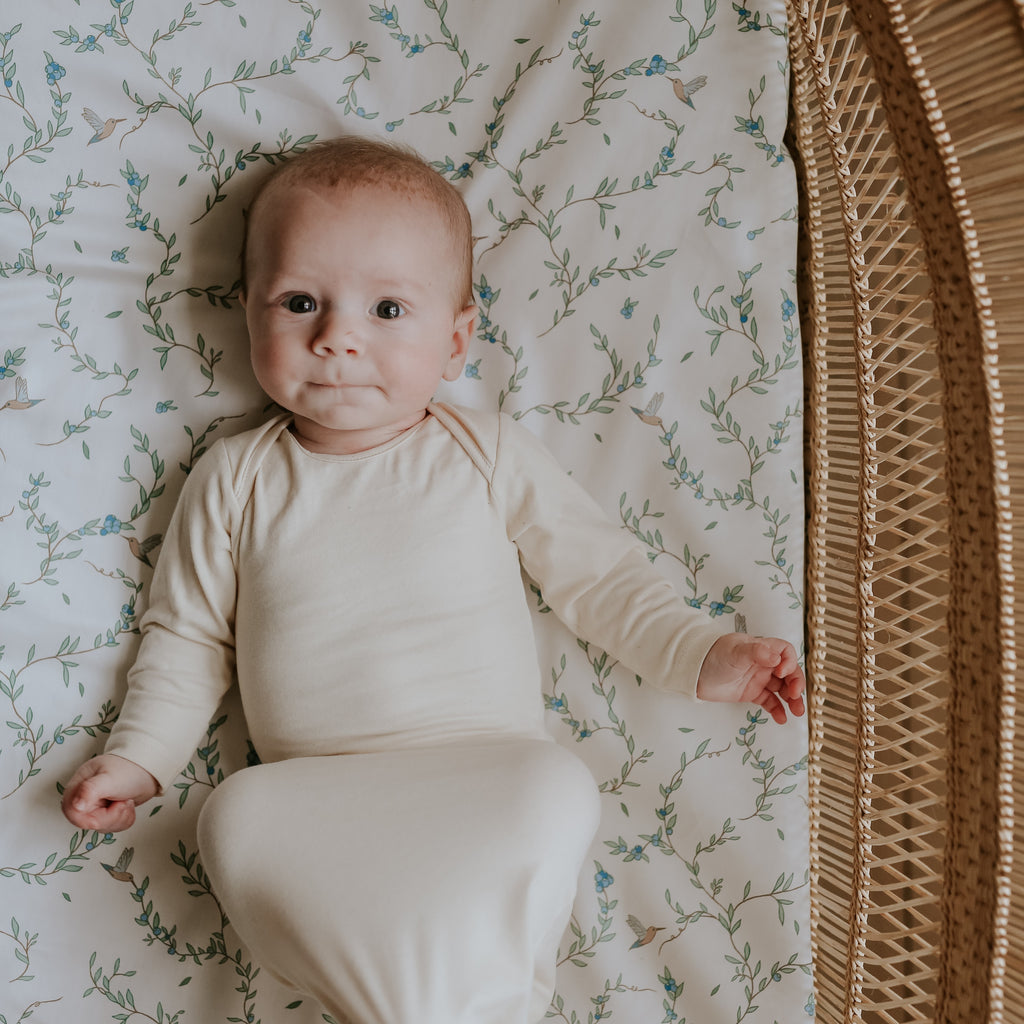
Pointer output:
x,y
352,163
357,290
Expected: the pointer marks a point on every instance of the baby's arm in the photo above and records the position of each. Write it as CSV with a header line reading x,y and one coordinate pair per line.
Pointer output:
x,y
184,662
759,670
105,791
601,584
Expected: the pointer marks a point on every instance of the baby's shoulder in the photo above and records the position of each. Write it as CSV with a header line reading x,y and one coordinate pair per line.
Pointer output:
x,y
483,433
235,460
476,430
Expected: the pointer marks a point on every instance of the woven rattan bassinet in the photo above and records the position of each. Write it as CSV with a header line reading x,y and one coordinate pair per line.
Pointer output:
x,y
908,125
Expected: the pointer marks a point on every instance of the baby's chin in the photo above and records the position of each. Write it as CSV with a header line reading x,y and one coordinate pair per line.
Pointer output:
x,y
348,437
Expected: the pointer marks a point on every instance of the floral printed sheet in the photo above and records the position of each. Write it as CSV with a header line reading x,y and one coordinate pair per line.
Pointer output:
x,y
635,214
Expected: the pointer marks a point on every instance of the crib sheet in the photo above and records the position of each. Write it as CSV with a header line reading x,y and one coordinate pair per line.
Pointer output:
x,y
634,212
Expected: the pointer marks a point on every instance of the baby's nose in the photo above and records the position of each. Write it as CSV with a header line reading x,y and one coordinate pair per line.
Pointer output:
x,y
338,333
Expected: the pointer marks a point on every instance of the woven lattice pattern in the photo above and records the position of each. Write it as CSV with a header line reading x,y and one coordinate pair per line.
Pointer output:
x,y
913,222
878,474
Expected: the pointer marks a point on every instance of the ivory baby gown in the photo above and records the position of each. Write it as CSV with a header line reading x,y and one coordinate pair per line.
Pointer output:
x,y
408,851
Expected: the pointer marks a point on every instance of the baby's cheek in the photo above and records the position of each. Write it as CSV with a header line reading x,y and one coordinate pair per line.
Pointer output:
x,y
273,378
270,361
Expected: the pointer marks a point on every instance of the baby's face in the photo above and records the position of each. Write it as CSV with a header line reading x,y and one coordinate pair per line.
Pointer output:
x,y
351,310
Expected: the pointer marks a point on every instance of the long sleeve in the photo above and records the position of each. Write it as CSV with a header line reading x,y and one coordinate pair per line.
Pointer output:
x,y
594,575
186,660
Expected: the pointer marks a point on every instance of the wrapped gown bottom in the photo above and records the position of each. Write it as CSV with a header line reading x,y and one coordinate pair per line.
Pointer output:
x,y
418,886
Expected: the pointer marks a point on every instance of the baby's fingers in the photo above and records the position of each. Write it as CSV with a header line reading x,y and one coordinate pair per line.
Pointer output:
x,y
778,655
771,703
113,817
89,804
108,816
787,684
793,694
789,664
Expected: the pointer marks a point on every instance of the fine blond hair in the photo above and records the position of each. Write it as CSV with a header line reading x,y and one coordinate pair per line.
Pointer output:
x,y
352,162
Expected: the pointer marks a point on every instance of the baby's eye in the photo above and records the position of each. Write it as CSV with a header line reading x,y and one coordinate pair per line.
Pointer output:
x,y
388,309
300,304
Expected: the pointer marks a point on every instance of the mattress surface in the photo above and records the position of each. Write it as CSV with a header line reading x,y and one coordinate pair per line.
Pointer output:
x,y
635,230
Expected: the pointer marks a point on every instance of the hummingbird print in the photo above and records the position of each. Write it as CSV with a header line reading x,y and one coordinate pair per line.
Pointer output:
x,y
101,128
141,548
650,413
684,90
644,935
119,871
20,399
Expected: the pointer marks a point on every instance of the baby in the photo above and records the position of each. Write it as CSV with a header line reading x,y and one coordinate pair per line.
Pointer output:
x,y
408,850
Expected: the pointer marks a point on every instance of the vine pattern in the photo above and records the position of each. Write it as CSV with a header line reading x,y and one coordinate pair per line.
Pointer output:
x,y
130,359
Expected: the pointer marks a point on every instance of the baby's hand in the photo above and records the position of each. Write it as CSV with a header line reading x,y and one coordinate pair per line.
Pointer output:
x,y
103,793
758,670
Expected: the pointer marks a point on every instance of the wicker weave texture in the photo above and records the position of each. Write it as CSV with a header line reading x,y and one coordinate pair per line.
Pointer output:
x,y
910,142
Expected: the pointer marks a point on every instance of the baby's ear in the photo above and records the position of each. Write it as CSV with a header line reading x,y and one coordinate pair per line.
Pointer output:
x,y
462,334
241,299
